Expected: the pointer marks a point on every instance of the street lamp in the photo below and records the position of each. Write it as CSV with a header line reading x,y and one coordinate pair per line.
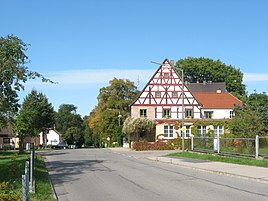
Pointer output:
x,y
119,117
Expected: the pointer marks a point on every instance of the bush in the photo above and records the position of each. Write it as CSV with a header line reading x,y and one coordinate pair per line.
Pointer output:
x,y
7,192
146,146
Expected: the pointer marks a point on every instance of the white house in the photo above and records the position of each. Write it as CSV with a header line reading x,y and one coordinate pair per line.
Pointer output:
x,y
170,102
53,137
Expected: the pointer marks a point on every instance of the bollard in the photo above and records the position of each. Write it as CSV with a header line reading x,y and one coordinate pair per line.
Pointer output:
x,y
257,146
32,176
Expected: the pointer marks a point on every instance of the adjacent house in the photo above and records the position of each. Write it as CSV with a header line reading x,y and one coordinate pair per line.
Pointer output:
x,y
173,103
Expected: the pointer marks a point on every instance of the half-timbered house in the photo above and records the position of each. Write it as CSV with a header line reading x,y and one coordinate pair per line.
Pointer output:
x,y
171,102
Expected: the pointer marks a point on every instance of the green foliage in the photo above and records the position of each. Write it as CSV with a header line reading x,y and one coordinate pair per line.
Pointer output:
x,y
75,136
113,108
205,69
35,116
247,123
259,103
66,117
14,73
139,128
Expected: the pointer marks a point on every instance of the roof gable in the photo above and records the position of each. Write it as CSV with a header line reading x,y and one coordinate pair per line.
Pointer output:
x,y
168,84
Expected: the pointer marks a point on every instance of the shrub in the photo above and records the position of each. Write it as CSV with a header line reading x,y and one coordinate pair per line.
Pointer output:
x,y
146,146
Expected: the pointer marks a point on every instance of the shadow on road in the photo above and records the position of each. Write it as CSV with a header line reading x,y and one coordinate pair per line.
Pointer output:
x,y
71,170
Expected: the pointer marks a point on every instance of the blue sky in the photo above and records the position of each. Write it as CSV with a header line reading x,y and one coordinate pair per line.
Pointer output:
x,y
82,44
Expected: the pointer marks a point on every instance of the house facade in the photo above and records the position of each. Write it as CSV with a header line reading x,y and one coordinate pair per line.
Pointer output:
x,y
173,104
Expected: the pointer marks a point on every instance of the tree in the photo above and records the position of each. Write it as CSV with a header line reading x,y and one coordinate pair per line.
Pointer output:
x,y
205,69
88,134
247,123
139,128
75,136
107,118
14,73
259,103
66,118
35,116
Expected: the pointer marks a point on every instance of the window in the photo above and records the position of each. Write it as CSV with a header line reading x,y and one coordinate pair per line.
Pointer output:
x,y
188,113
168,131
208,114
231,114
202,130
166,113
143,113
174,94
157,94
166,75
218,130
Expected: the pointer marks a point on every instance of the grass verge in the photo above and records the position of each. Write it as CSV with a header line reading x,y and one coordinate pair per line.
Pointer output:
x,y
225,159
12,167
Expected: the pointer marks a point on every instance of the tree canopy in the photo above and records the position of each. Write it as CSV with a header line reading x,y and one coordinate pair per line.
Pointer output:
x,y
106,120
13,74
205,69
70,124
36,115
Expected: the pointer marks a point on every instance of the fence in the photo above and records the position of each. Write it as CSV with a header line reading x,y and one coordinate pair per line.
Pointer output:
x,y
252,147
28,179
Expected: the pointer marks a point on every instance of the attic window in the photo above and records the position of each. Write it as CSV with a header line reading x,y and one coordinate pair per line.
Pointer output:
x,y
174,94
157,94
166,75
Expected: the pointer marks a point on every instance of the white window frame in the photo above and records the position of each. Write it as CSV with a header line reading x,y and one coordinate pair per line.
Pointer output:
x,y
169,131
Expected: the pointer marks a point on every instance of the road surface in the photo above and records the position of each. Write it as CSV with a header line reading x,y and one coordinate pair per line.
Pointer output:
x,y
108,175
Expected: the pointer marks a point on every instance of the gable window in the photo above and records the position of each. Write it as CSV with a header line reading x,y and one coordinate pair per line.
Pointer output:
x,y
166,75
143,113
168,131
218,130
174,94
202,130
208,114
188,113
157,94
166,113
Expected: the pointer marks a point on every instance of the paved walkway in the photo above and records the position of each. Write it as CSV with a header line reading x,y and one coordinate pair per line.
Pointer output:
x,y
259,174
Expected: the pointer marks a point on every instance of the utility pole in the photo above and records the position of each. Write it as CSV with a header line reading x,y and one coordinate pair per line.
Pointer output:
x,y
182,119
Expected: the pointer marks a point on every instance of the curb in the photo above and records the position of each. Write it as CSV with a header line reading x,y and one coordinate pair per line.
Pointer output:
x,y
170,161
49,179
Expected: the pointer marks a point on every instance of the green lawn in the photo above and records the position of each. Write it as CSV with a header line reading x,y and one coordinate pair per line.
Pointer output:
x,y
225,159
12,167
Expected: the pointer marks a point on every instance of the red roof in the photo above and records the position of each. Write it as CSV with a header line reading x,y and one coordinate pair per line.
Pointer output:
x,y
223,100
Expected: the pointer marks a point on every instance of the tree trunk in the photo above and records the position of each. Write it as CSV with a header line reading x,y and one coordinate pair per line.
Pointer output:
x,y
21,139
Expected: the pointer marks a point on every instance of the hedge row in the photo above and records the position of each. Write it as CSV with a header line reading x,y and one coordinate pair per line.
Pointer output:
x,y
145,146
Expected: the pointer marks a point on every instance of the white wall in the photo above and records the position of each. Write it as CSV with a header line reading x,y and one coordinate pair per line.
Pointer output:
x,y
53,138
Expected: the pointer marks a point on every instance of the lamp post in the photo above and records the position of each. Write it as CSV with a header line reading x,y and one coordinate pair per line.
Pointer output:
x,y
182,119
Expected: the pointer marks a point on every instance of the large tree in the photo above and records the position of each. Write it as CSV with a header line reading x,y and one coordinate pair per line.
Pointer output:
x,y
259,103
106,120
67,118
35,116
13,74
205,69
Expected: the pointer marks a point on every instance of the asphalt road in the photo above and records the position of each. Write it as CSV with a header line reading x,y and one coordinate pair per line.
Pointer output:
x,y
103,174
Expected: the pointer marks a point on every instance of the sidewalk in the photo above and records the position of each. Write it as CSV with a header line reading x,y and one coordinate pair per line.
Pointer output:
x,y
259,174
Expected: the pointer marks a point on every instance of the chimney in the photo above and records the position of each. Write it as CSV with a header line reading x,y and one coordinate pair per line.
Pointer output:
x,y
171,62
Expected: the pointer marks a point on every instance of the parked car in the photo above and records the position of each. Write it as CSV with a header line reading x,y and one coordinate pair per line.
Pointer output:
x,y
61,145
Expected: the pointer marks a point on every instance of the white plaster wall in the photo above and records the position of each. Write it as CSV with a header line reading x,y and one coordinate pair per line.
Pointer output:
x,y
53,138
219,113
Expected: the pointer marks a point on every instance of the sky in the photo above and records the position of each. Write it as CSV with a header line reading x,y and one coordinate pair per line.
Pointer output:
x,y
83,44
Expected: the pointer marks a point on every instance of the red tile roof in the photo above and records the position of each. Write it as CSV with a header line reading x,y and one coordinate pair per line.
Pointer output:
x,y
223,100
